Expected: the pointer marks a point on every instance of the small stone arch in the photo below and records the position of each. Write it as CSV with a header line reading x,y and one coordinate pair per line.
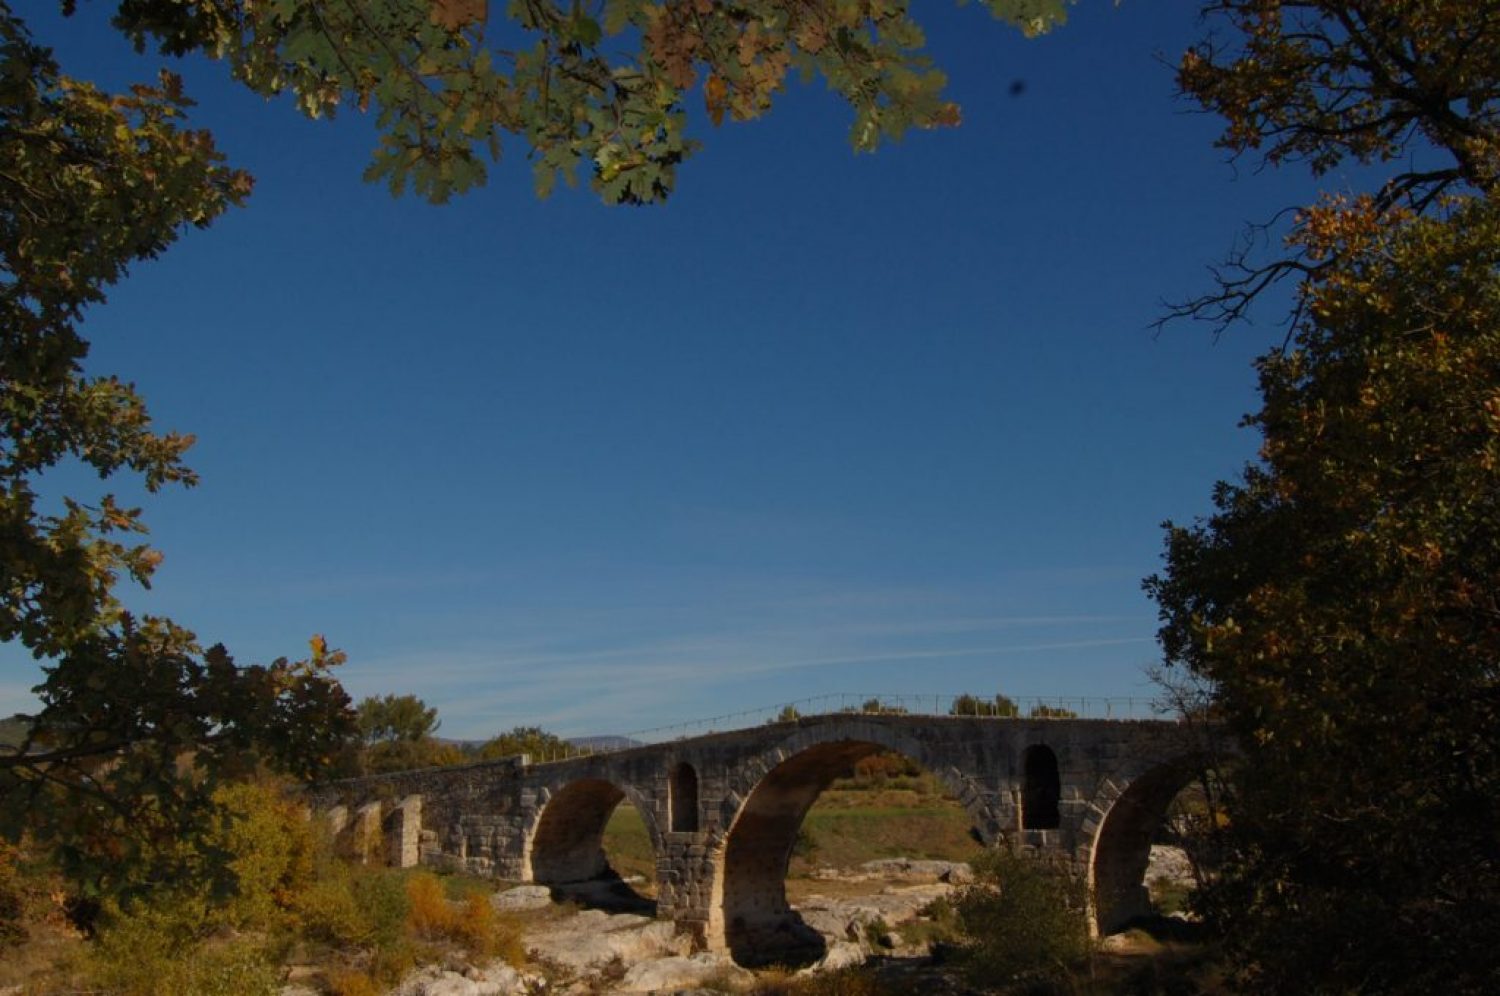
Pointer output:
x,y
1041,789
682,795
1128,809
564,844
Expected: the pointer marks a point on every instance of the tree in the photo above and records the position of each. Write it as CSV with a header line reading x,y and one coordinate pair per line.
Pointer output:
x,y
395,734
447,84
1044,711
395,717
1342,601
1414,83
139,729
1339,604
530,740
138,723
972,705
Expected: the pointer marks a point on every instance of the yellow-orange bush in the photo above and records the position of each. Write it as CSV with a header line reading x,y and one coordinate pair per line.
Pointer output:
x,y
429,916
350,982
471,923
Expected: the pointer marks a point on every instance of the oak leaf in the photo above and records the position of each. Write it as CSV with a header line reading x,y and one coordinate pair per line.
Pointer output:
x,y
455,15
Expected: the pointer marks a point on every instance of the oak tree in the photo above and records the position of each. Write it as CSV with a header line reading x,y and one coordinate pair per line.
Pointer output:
x,y
1409,85
138,723
600,87
1342,602
1339,602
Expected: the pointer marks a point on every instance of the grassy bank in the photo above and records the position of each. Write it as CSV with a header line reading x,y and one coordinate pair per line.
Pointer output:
x,y
855,820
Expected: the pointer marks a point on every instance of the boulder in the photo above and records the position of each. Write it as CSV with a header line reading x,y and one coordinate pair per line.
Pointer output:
x,y
593,939
677,973
498,979
522,897
841,954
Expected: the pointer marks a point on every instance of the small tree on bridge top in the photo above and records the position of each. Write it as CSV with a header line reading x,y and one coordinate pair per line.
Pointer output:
x,y
972,705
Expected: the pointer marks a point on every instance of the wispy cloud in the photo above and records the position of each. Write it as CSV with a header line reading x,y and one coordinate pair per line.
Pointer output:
x,y
604,671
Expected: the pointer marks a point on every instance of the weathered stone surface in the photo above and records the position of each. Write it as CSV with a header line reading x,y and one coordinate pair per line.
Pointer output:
x,y
677,973
841,954
915,869
594,938
522,897
496,980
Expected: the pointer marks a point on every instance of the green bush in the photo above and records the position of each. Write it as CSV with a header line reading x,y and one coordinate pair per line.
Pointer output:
x,y
330,913
382,899
273,853
154,950
1025,923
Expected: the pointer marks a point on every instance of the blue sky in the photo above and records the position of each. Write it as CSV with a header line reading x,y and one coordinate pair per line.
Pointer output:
x,y
892,423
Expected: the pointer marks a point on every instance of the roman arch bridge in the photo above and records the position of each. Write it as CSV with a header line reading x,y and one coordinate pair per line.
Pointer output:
x,y
722,810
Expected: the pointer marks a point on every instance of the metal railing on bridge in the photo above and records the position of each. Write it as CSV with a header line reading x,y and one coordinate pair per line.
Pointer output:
x,y
883,704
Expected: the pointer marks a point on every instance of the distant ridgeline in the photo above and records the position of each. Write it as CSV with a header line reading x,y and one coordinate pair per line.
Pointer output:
x,y
13,731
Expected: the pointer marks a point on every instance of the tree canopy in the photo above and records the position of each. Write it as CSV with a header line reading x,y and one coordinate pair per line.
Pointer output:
x,y
601,88
138,723
395,717
530,740
1414,84
1340,600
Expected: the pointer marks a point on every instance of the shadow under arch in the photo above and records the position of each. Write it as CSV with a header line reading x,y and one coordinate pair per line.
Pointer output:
x,y
759,926
566,850
1122,846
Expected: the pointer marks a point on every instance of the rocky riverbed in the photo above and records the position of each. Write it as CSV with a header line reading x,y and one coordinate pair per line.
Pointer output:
x,y
596,939
574,950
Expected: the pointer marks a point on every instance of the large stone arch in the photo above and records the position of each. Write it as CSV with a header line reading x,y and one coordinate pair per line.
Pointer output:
x,y
749,912
1127,809
564,841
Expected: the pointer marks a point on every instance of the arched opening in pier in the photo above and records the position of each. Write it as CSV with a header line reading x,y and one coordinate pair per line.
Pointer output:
x,y
593,848
804,839
1149,846
1041,789
683,794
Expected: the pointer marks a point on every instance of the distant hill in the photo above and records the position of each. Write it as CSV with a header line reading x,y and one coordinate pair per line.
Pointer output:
x,y
13,730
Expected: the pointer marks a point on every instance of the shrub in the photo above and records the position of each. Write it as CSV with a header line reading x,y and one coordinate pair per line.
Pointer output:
x,y
154,950
272,847
12,896
330,913
471,923
938,925
428,914
971,705
878,934
1025,923
390,962
382,899
351,982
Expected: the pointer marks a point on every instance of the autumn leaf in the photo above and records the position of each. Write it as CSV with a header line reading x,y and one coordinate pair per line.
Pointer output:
x,y
455,15
715,95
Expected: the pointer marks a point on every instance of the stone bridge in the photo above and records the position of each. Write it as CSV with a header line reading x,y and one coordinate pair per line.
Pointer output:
x,y
723,810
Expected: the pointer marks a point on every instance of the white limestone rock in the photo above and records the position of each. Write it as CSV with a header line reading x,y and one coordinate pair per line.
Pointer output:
x,y
593,939
676,973
841,954
521,898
